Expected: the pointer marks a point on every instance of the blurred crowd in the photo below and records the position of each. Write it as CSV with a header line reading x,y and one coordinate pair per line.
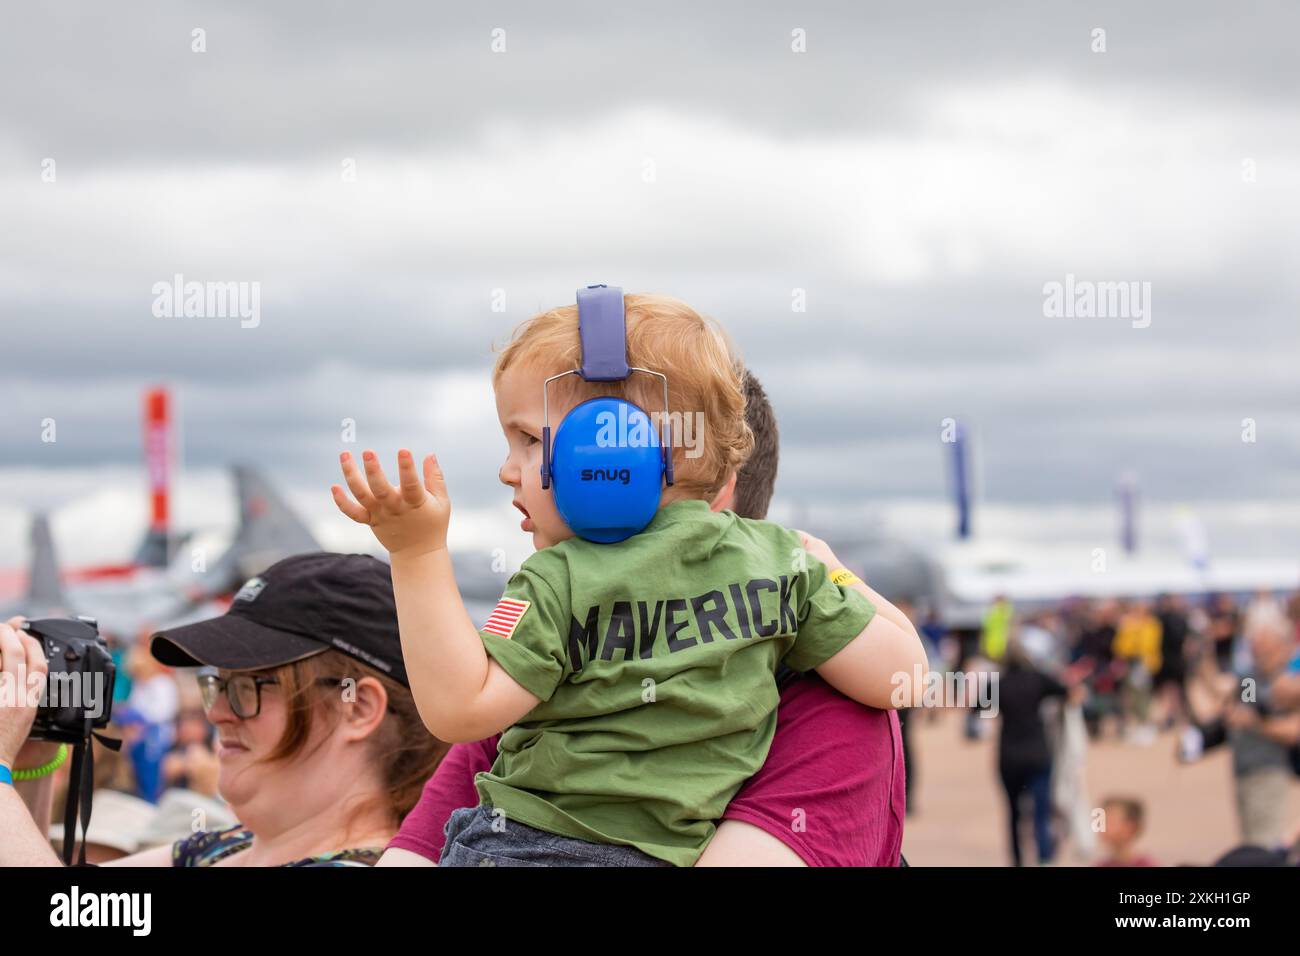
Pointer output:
x,y
1217,672
162,785
1080,671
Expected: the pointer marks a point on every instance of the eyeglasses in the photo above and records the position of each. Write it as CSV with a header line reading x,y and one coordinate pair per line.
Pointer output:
x,y
243,691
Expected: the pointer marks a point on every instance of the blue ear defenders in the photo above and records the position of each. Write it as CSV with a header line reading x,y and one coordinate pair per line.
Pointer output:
x,y
607,461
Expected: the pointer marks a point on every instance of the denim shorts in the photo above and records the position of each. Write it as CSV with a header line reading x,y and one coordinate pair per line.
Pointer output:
x,y
471,841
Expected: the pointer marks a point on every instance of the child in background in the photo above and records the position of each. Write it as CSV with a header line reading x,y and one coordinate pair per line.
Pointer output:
x,y
636,678
149,717
1124,819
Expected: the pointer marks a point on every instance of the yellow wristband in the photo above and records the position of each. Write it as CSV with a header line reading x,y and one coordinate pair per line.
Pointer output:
x,y
844,576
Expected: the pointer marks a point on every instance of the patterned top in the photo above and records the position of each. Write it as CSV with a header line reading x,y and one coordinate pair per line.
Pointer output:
x,y
211,846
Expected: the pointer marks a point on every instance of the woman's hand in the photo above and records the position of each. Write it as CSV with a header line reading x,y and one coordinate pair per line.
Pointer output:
x,y
410,519
23,670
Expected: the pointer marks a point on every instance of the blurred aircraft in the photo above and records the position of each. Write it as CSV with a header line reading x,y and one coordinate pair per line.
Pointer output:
x,y
164,583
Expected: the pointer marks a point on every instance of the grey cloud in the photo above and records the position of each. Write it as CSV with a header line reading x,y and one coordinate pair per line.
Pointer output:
x,y
110,84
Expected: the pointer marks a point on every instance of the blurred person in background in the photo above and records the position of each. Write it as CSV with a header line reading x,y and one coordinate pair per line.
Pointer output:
x,y
1223,625
1095,663
192,762
1262,735
120,650
150,720
996,630
994,636
1123,820
1137,649
1286,688
1171,678
1264,610
942,649
906,715
1260,725
933,634
1024,758
1293,615
1040,638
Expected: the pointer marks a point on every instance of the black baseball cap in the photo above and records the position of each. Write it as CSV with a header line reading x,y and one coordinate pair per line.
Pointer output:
x,y
297,608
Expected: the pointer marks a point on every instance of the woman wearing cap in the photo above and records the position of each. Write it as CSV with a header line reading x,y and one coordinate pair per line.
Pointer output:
x,y
321,749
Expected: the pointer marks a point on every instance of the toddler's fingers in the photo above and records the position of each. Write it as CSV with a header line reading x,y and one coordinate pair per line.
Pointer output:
x,y
379,485
412,490
356,482
348,506
433,479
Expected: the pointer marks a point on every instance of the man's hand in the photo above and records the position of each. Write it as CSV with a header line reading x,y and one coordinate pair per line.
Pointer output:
x,y
22,658
410,519
34,753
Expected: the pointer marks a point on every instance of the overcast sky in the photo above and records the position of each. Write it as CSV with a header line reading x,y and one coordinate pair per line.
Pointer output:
x,y
920,171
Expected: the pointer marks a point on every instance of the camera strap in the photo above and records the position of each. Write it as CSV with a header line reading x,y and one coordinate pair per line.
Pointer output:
x,y
81,788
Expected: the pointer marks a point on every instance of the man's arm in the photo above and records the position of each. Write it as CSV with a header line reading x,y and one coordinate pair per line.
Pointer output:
x,y
742,844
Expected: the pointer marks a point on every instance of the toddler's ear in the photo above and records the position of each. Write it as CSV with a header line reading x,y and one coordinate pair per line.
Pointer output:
x,y
726,496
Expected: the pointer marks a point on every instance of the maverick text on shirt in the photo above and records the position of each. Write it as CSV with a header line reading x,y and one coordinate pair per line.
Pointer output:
x,y
634,625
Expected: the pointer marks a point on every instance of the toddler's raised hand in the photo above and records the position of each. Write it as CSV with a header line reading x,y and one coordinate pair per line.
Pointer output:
x,y
409,519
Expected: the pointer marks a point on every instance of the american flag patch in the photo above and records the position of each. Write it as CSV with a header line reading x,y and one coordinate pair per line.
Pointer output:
x,y
505,617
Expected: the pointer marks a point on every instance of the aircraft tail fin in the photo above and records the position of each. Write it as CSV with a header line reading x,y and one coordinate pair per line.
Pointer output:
x,y
44,586
268,531
156,548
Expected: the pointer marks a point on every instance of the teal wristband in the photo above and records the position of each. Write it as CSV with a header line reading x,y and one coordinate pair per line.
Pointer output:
x,y
5,775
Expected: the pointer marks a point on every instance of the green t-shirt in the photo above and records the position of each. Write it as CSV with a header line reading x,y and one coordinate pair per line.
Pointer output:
x,y
654,659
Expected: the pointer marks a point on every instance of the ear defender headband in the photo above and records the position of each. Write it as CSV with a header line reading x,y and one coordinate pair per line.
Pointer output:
x,y
608,461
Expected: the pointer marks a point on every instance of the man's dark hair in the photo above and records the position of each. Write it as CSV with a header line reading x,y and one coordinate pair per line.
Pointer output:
x,y
757,477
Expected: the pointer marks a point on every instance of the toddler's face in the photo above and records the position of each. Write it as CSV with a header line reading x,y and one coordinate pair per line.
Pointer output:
x,y
519,409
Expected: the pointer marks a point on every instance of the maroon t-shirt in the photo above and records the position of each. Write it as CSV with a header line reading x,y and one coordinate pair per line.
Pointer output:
x,y
831,788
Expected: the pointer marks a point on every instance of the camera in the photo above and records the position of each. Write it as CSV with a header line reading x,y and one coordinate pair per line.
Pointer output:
x,y
78,696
